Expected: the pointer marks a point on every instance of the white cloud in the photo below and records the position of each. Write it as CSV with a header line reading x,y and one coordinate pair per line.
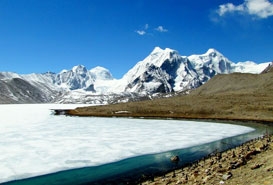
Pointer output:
x,y
141,32
229,7
147,31
146,26
259,8
161,29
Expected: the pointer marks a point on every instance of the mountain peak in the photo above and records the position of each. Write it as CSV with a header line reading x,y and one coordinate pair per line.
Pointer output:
x,y
212,51
160,50
79,68
157,50
99,68
101,73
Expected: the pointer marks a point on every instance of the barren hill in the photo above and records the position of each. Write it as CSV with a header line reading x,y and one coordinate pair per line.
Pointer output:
x,y
233,96
237,83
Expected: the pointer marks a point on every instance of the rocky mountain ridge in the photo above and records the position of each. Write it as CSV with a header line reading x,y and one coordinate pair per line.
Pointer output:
x,y
163,71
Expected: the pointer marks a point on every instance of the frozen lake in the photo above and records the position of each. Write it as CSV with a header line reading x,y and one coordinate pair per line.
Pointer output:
x,y
34,142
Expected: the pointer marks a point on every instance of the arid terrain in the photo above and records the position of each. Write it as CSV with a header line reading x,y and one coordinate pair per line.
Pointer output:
x,y
239,97
228,97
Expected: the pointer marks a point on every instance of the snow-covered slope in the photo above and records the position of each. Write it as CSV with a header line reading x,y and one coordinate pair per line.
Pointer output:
x,y
100,73
167,71
29,88
249,67
212,60
163,71
269,68
76,78
103,80
96,80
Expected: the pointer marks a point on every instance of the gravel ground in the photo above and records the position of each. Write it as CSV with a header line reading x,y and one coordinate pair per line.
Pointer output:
x,y
248,164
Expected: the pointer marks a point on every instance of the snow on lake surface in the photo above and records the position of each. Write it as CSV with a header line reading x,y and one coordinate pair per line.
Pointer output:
x,y
34,142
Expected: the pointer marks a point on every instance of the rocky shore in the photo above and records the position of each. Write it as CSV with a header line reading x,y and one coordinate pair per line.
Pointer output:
x,y
233,97
250,163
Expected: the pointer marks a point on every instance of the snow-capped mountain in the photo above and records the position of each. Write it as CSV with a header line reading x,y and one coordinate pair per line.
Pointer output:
x,y
70,85
76,78
32,88
209,64
167,71
249,67
100,73
163,71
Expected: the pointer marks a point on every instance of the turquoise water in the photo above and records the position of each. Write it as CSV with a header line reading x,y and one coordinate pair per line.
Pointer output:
x,y
135,168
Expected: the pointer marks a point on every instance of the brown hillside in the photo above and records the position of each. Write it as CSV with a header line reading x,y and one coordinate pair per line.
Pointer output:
x,y
237,83
234,96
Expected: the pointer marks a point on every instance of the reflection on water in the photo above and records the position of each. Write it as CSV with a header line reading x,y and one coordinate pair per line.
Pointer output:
x,y
135,168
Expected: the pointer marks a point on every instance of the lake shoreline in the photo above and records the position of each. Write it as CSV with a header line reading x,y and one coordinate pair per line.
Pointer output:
x,y
249,163
247,157
174,176
74,112
254,166
133,165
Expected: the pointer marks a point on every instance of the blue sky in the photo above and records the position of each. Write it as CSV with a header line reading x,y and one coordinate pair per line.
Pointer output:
x,y
40,36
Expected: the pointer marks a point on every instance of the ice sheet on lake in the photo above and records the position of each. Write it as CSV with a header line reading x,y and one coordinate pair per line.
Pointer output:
x,y
34,142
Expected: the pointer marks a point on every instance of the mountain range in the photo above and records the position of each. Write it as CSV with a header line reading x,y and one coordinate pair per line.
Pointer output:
x,y
236,96
163,71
